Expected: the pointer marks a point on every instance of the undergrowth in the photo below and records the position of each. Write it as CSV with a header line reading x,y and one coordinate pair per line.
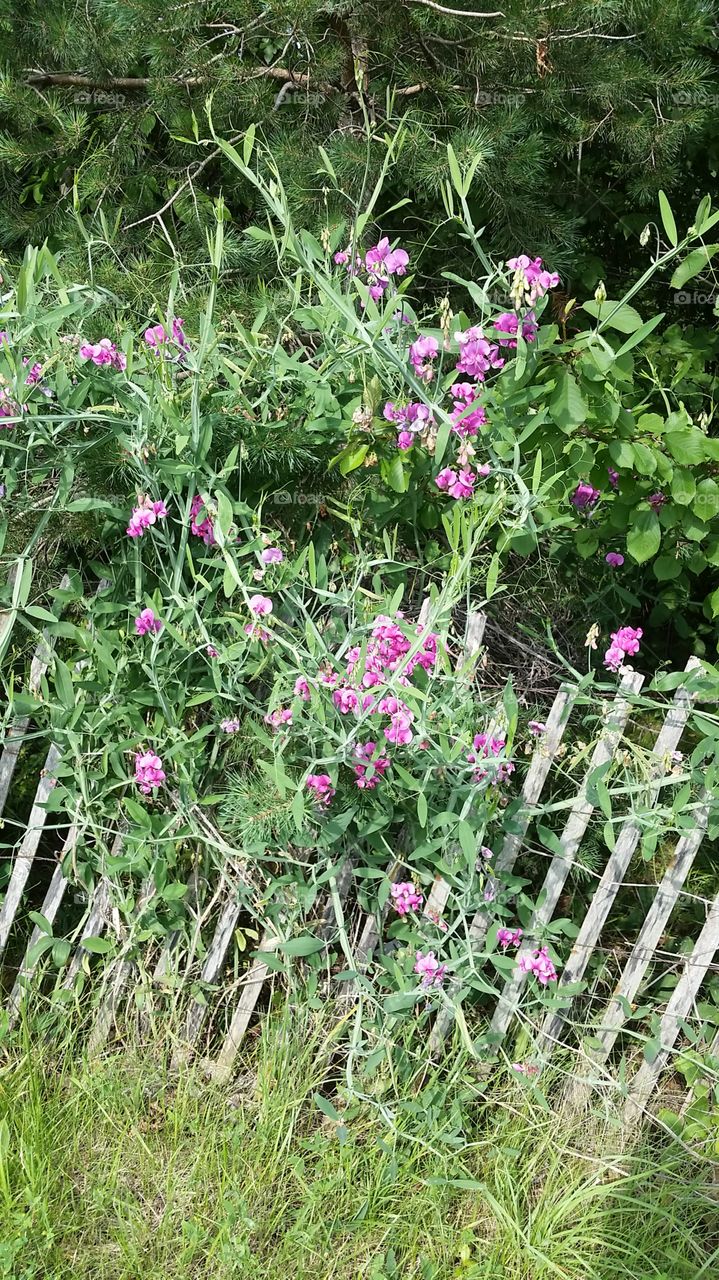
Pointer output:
x,y
117,1169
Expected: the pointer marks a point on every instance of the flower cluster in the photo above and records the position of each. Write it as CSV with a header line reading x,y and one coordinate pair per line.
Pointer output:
x,y
422,354
405,897
8,408
320,784
429,968
509,322
585,496
149,772
158,338
202,528
230,725
531,281
476,354
380,263
372,766
144,516
278,717
146,621
104,352
538,963
486,747
509,937
625,643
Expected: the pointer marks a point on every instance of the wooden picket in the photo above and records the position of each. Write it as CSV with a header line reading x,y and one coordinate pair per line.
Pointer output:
x,y
341,926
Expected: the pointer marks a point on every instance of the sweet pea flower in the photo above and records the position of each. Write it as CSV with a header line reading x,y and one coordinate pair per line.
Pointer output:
x,y
341,257
615,559
405,897
104,352
379,764
278,717
203,528
538,963
508,322
144,516
613,477
211,651
345,700
271,555
476,354
146,621
261,605
446,478
405,440
149,772
431,971
8,408
320,784
656,501
230,726
467,414
625,644
423,351
509,937
256,632
537,728
584,496
302,689
157,337
35,374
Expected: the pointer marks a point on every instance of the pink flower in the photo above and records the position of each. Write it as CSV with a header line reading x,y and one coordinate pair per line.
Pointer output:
x,y
484,470
476,355
211,651
423,351
537,728
463,486
146,621
144,516
656,501
202,528
485,748
399,730
625,644
8,408
256,632
615,559
320,784
345,700
538,963
509,937
432,972
534,279
446,478
405,440
278,717
372,764
405,897
341,257
230,726
34,375
525,1069
157,336
396,262
271,555
508,322
302,689
584,496
467,414
261,605
613,477
149,772
104,352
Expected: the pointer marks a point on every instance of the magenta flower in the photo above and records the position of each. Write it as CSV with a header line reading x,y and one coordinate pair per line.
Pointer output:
x,y
345,700
584,496
146,621
157,336
203,528
508,322
625,644
405,897
486,748
405,440
656,501
144,516
377,764
615,559
509,937
230,726
534,278
8,408
320,784
423,351
341,257
211,651
467,414
476,354
35,374
538,963
261,605
613,477
525,1069
278,717
256,632
271,555
463,486
446,478
431,971
537,728
104,352
149,772
302,689
399,730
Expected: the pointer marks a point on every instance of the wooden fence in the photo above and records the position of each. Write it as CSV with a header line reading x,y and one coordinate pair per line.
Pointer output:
x,y
202,969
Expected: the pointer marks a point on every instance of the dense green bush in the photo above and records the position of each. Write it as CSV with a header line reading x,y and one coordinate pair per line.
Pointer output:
x,y
573,116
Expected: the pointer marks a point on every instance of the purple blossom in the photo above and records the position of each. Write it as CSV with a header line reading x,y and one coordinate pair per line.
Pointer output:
x,y
615,559
584,496
146,621
432,972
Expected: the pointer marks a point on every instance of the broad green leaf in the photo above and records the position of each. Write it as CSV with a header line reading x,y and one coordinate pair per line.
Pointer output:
x,y
644,537
97,946
304,946
692,265
63,684
615,315
400,1002
567,404
684,486
666,568
639,335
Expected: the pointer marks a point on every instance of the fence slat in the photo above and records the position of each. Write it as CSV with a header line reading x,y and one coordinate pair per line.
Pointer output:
x,y
613,1018
214,961
221,1070
570,840
678,1007
50,907
16,732
540,765
25,854
121,968
619,859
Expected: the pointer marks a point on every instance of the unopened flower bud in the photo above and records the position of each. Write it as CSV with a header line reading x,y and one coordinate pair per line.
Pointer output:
x,y
600,293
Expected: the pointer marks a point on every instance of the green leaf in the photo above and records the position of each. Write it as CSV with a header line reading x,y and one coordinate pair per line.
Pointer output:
x,y
692,265
422,809
567,404
352,458
97,946
307,945
395,475
615,315
666,568
400,1002
684,486
670,225
326,1107
639,335
63,684
41,921
248,143
687,445
645,536
492,576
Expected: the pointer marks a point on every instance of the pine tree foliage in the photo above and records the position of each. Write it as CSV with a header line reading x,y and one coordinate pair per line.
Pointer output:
x,y
575,111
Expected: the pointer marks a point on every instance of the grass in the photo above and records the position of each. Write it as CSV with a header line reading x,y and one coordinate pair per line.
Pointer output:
x,y
116,1170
